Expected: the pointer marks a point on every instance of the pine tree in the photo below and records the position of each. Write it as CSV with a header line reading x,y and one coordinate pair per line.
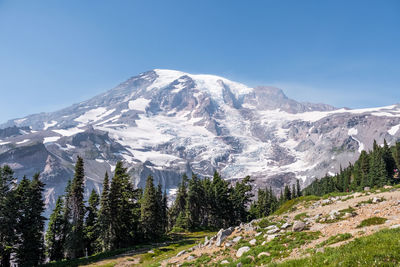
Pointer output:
x,y
55,237
91,229
8,212
241,197
396,154
104,216
298,189
287,195
177,215
124,209
150,211
222,206
387,157
194,203
75,237
29,245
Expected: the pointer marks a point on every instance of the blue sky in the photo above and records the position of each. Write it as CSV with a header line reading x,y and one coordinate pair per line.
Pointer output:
x,y
56,53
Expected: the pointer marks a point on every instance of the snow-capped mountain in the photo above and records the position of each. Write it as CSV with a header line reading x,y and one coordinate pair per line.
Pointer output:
x,y
165,123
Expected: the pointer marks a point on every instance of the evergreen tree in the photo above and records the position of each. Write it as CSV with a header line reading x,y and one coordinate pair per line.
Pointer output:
x,y
177,215
91,229
30,244
298,189
75,235
241,197
8,211
287,195
222,207
124,209
55,237
104,217
194,203
150,217
396,154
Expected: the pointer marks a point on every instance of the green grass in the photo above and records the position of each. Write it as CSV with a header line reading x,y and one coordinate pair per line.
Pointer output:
x,y
372,221
290,205
379,249
335,239
178,242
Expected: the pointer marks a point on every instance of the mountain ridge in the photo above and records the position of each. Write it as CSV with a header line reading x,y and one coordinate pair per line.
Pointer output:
x,y
165,123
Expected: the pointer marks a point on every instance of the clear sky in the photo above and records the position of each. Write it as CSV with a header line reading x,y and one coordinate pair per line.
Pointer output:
x,y
56,53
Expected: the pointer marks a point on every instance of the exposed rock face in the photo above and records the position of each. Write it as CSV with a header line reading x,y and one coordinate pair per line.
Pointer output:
x,y
165,123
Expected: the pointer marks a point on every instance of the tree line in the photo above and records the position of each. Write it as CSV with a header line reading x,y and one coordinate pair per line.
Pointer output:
x,y
378,167
121,216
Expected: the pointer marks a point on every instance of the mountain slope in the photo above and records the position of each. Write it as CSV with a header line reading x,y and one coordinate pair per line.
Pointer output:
x,y
165,123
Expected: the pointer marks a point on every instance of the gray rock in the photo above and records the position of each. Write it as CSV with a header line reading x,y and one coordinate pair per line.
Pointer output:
x,y
333,214
396,226
181,253
257,234
367,188
376,200
266,254
191,257
222,235
252,242
227,244
239,264
298,226
285,225
237,239
224,262
241,251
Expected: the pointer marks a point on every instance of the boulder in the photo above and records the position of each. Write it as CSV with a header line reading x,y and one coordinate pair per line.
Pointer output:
x,y
237,239
241,251
181,253
266,254
333,214
227,244
222,235
367,188
376,200
285,225
191,257
263,243
298,226
259,233
224,262
252,242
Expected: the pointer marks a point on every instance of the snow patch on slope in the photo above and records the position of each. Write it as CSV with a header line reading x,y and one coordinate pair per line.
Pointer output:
x,y
139,104
47,125
394,129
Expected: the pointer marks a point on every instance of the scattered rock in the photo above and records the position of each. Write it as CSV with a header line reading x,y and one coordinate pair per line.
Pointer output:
x,y
241,251
263,254
387,186
395,226
285,225
263,243
191,257
367,188
237,239
334,214
239,264
181,253
376,200
150,251
227,244
250,257
347,215
222,235
224,262
259,233
252,242
376,211
298,226
273,231
320,250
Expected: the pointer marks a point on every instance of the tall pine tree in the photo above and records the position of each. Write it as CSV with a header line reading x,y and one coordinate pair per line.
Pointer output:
x,y
75,203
